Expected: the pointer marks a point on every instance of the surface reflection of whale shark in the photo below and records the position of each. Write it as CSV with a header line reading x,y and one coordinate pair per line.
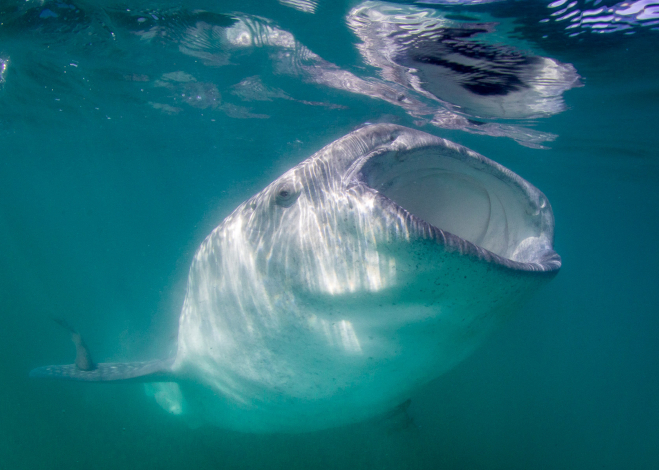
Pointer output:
x,y
367,270
460,63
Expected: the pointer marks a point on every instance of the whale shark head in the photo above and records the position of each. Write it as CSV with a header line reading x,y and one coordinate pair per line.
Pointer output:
x,y
367,270
321,227
403,183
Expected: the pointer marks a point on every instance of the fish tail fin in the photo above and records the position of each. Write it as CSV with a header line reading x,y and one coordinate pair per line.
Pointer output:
x,y
83,360
149,371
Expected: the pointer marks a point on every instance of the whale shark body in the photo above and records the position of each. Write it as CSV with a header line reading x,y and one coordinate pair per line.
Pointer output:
x,y
359,275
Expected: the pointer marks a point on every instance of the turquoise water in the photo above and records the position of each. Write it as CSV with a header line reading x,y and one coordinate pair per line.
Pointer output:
x,y
124,140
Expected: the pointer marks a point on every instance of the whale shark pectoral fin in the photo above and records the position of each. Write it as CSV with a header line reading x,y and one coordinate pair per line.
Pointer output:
x,y
149,371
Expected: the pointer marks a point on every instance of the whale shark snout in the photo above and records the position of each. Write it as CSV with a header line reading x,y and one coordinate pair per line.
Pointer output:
x,y
364,272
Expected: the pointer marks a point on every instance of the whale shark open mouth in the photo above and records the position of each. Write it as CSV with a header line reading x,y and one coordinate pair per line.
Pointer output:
x,y
472,202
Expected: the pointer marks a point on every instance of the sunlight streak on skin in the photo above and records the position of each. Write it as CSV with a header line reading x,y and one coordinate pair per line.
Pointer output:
x,y
340,334
4,63
330,245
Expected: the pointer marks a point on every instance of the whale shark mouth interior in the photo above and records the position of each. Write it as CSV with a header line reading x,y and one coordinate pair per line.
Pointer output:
x,y
476,200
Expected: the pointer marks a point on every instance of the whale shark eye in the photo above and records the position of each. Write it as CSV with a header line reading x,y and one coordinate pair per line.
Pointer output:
x,y
286,194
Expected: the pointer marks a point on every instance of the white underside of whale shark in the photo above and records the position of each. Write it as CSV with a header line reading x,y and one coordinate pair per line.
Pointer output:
x,y
359,275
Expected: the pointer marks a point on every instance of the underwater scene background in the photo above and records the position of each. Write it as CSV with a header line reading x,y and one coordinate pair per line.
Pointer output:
x,y
130,129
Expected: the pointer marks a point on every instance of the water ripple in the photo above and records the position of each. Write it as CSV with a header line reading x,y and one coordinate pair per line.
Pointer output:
x,y
625,17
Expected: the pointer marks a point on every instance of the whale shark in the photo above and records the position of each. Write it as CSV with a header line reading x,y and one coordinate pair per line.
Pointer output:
x,y
358,276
